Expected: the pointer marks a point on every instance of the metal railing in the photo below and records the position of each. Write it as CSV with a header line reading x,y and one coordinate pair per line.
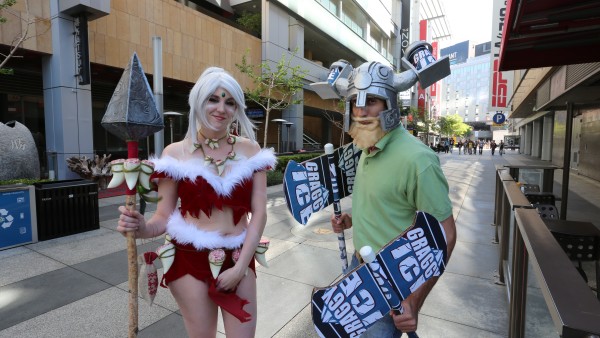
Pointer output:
x,y
310,143
525,243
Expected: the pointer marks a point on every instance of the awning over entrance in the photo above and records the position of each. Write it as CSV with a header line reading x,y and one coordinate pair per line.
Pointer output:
x,y
542,33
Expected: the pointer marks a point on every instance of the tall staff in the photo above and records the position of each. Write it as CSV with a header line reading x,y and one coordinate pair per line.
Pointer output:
x,y
132,115
337,208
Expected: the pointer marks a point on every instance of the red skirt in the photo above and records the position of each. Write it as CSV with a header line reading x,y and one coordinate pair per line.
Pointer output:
x,y
190,261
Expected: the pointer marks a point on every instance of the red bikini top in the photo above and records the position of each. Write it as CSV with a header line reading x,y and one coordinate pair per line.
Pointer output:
x,y
200,189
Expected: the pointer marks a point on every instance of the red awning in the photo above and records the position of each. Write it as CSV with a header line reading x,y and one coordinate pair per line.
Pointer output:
x,y
543,33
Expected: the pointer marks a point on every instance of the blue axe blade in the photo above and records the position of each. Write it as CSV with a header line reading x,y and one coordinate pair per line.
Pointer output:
x,y
307,185
352,304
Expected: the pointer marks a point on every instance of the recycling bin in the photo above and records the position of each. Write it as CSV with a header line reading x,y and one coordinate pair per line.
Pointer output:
x,y
66,207
17,216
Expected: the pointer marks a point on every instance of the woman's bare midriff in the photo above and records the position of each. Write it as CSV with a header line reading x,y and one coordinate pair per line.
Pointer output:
x,y
220,221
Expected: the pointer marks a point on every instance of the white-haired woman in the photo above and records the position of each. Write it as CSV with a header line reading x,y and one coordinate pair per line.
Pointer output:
x,y
220,181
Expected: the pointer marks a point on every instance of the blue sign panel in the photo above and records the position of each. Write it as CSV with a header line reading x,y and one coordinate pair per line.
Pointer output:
x,y
458,53
499,118
351,305
15,218
307,185
255,113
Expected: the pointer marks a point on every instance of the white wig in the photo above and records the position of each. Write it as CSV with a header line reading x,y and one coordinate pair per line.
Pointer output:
x,y
211,79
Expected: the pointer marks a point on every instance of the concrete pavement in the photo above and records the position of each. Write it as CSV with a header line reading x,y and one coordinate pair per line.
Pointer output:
x,y
76,286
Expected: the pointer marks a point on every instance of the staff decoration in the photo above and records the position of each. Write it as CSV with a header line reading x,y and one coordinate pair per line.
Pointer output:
x,y
132,115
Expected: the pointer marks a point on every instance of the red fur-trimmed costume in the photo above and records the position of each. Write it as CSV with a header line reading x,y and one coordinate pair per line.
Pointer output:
x,y
201,190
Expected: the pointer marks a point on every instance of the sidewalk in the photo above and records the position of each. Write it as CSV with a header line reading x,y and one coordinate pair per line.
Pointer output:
x,y
76,286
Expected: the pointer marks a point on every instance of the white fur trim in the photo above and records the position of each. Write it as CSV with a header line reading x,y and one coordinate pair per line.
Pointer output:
x,y
187,233
241,168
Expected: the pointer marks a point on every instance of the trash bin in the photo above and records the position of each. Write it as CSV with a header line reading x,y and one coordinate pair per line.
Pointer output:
x,y
17,216
66,207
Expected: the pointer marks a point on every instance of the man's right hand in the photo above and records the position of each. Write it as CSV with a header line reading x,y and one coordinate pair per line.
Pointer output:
x,y
341,223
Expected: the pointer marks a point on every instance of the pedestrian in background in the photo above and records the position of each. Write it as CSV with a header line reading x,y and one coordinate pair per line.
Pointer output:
x,y
493,146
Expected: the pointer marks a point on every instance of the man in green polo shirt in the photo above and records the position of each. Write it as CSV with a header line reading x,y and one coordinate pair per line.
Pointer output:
x,y
397,175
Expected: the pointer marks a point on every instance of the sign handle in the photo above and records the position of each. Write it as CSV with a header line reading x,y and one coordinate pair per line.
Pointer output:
x,y
337,209
367,254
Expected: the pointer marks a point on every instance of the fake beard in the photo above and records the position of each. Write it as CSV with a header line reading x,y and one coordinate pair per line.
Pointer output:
x,y
366,135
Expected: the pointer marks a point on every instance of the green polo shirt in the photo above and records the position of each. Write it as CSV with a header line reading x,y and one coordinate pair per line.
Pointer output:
x,y
391,184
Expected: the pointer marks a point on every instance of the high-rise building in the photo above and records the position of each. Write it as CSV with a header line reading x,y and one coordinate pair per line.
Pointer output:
x,y
466,91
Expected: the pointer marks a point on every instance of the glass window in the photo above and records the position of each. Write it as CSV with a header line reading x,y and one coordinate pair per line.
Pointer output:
x,y
353,18
331,6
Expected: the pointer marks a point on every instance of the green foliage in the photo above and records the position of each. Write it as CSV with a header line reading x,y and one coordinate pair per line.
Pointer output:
x,y
5,4
422,125
250,21
26,181
275,176
275,87
453,125
282,161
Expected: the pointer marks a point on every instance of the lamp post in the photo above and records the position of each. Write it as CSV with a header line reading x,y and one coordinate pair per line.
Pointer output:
x,y
279,123
171,115
287,135
256,123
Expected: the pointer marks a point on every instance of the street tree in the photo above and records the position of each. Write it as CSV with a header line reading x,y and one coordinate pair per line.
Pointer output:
x,y
27,22
338,108
4,4
453,125
418,120
251,21
275,87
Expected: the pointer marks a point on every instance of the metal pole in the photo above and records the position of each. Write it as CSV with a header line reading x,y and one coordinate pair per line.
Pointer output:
x,y
159,141
279,123
518,290
287,136
566,162
171,115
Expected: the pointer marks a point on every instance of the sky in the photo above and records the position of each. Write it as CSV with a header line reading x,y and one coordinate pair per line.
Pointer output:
x,y
468,20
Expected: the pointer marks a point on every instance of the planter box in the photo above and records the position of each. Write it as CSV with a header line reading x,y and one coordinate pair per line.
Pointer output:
x,y
66,207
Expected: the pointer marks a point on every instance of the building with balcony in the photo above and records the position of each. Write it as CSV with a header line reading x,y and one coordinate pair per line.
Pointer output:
x,y
555,107
48,94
